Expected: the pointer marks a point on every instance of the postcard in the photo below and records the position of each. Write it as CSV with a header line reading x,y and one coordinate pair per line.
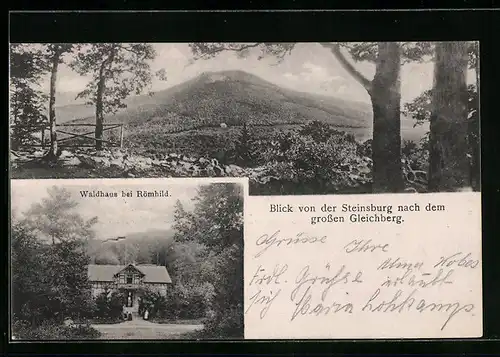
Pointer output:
x,y
228,191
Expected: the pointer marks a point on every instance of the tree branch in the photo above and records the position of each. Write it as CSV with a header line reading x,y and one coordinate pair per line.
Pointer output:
x,y
207,53
348,66
128,49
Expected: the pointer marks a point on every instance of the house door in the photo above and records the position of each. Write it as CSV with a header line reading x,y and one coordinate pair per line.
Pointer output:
x,y
130,298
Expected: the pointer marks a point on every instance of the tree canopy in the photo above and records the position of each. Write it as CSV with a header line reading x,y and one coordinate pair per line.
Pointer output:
x,y
27,99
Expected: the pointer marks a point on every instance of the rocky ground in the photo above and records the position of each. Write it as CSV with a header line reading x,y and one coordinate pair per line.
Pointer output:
x,y
111,163
120,163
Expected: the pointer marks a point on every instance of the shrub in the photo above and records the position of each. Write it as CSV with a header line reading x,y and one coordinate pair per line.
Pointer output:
x,y
189,301
51,330
109,306
318,131
365,149
316,163
153,301
225,324
244,149
416,155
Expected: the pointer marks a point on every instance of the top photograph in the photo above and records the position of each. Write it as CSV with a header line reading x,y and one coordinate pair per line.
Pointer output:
x,y
295,118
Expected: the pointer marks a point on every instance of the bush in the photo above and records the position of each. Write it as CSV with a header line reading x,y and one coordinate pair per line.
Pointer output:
x,y
109,306
189,301
44,285
225,325
243,153
154,302
51,330
316,159
416,154
318,131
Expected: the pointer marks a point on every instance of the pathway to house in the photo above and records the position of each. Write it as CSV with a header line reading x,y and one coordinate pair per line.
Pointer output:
x,y
139,329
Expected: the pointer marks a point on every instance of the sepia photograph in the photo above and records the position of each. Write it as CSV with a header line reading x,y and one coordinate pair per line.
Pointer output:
x,y
136,259
295,118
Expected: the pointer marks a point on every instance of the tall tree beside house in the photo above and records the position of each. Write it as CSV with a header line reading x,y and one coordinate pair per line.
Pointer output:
x,y
27,100
67,281
216,224
49,282
54,55
56,218
384,91
29,289
449,164
49,267
117,70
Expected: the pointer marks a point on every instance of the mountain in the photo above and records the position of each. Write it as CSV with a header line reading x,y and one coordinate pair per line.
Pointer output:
x,y
231,97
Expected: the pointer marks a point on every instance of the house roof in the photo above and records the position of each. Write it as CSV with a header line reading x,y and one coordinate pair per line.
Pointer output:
x,y
152,273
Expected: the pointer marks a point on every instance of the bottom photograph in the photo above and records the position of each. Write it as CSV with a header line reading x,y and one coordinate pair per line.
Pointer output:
x,y
134,259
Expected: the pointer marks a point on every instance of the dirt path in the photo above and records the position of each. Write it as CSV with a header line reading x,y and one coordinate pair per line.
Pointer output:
x,y
139,329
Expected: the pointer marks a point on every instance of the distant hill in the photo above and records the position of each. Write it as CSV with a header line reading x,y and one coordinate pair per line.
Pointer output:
x,y
140,246
230,97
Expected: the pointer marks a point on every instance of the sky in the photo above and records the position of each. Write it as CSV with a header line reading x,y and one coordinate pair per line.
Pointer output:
x,y
309,68
117,216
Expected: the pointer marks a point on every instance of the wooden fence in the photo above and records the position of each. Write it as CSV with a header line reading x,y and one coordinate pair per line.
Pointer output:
x,y
71,135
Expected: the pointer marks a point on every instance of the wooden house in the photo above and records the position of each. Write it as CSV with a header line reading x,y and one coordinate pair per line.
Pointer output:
x,y
131,279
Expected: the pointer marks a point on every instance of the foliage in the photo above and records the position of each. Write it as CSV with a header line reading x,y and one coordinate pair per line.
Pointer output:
x,y
213,232
27,100
154,301
48,330
317,159
320,132
190,295
388,58
29,288
420,110
109,305
207,50
49,282
67,280
126,68
359,51
365,149
55,218
245,147
49,279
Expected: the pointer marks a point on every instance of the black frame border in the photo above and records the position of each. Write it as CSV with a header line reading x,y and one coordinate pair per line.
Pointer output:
x,y
295,26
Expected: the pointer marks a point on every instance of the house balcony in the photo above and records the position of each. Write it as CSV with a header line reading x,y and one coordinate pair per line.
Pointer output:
x,y
129,286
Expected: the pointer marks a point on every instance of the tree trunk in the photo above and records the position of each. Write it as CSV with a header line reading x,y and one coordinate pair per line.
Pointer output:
x,y
99,115
99,106
449,165
52,102
386,102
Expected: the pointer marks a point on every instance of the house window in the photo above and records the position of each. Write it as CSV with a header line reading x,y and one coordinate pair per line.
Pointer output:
x,y
130,279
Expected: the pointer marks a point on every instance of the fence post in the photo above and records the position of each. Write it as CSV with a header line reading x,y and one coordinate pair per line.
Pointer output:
x,y
121,136
43,138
